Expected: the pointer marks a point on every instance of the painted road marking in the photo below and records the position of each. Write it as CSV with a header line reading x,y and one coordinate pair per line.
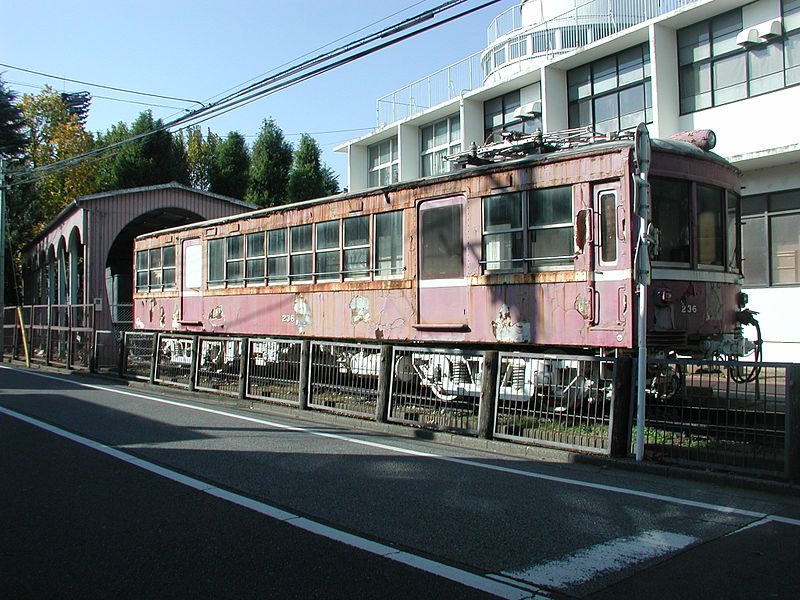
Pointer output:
x,y
719,508
473,580
602,559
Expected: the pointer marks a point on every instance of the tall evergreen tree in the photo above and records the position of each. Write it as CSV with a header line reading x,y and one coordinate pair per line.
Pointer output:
x,y
230,166
150,160
200,152
307,179
13,138
269,167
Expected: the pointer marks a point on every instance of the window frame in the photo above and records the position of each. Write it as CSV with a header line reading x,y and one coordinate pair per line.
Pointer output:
x,y
452,145
763,217
376,167
164,266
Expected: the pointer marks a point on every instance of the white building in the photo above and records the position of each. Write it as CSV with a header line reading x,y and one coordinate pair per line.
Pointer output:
x,y
732,66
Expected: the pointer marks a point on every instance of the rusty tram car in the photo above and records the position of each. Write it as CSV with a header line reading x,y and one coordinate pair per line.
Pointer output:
x,y
531,245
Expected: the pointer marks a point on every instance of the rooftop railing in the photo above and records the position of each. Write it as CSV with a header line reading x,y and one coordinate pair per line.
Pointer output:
x,y
583,24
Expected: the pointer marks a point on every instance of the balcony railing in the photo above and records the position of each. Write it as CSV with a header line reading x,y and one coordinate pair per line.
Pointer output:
x,y
583,24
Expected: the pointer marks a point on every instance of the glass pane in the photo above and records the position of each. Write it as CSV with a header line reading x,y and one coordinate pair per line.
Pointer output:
x,y
141,280
501,213
301,266
168,256
500,251
327,235
608,228
766,69
579,82
784,200
426,135
276,269
631,67
356,263
276,241
580,114
551,206
235,247
255,244
141,260
733,218
548,243
493,113
440,133
155,278
785,235
755,253
328,265
606,109
169,277
694,43
235,271
729,79
710,225
724,30
441,232
389,243
255,269
301,238
216,261
604,74
356,231
455,129
155,258
670,202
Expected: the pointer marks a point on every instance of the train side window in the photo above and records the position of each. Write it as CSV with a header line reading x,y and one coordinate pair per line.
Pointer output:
x,y
442,253
155,269
168,267
277,256
216,262
669,199
356,247
234,261
255,258
328,253
710,225
142,270
300,251
608,227
503,246
389,244
551,231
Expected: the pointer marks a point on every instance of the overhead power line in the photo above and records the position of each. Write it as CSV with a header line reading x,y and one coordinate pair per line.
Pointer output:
x,y
98,85
293,75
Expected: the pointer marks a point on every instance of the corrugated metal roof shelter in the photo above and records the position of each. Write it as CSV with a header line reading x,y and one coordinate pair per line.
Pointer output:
x,y
85,255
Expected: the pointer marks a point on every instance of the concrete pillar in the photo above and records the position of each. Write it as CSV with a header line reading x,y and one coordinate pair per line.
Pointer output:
x,y
408,144
471,123
554,99
664,81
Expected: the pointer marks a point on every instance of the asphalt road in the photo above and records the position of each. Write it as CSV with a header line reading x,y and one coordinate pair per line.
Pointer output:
x,y
131,492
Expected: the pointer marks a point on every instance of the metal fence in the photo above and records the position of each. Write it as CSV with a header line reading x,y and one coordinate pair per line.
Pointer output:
x,y
273,371
137,361
718,413
560,401
106,350
343,378
174,359
220,366
437,389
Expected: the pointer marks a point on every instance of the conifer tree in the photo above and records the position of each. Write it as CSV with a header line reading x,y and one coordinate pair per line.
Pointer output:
x,y
269,167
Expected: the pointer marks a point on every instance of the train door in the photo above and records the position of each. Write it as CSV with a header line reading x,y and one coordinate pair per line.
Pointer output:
x,y
191,281
442,287
611,277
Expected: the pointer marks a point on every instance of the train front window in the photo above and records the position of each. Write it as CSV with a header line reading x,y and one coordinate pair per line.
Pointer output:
x,y
671,211
503,245
710,225
608,227
551,232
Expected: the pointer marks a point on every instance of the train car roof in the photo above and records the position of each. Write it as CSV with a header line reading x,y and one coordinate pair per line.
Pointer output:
x,y
663,145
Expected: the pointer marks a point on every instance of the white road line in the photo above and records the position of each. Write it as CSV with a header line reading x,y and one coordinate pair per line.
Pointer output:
x,y
609,557
718,508
473,580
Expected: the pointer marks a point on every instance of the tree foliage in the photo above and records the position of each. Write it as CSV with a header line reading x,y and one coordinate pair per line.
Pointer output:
x,y
154,158
269,167
200,153
13,138
229,172
54,134
309,178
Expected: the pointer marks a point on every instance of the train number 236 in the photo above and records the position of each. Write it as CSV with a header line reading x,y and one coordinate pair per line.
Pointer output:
x,y
688,308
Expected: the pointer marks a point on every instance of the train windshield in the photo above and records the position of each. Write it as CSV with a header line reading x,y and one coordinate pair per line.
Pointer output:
x,y
696,224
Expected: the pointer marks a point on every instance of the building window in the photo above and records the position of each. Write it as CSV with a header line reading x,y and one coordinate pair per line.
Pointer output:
x,y
383,163
716,70
499,116
539,221
611,94
771,239
440,139
155,269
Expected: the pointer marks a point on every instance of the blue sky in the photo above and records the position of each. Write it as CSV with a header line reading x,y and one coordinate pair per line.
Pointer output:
x,y
198,49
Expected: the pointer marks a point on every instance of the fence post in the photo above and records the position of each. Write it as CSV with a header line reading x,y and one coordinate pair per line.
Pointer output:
x,y
49,336
68,360
384,384
93,353
305,379
154,359
122,353
620,423
488,397
244,363
194,363
792,423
